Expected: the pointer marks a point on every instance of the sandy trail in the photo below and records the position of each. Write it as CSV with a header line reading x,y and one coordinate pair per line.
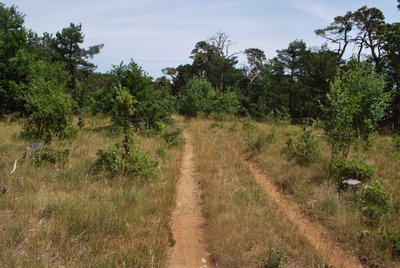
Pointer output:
x,y
332,254
187,220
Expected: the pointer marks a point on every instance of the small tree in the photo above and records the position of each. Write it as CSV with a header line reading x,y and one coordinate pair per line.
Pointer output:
x,y
48,103
357,102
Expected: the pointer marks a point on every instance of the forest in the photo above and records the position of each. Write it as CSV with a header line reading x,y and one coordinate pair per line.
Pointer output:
x,y
281,143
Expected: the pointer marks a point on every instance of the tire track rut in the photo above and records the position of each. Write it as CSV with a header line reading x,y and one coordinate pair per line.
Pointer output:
x,y
332,254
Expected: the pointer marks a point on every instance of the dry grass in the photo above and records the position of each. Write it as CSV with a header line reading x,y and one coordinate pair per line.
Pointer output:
x,y
243,222
312,188
68,216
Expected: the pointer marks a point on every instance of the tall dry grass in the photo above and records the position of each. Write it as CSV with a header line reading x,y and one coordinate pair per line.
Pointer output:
x,y
312,188
54,216
243,224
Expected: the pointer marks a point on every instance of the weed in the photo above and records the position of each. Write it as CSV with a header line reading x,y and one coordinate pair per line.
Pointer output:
x,y
274,258
375,200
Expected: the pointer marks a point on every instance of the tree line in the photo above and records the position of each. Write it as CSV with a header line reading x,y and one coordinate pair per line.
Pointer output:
x,y
49,77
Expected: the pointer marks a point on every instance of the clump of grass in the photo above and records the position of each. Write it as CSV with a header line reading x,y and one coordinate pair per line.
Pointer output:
x,y
256,144
274,258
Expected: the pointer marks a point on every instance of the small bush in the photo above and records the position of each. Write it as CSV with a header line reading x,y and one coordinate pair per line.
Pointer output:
x,y
391,240
396,143
172,136
355,168
50,155
304,149
125,159
375,200
274,258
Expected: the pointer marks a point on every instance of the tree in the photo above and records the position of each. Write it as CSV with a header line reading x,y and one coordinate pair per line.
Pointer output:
x,y
48,103
256,60
371,25
357,102
213,60
153,105
14,61
338,32
398,6
392,68
67,47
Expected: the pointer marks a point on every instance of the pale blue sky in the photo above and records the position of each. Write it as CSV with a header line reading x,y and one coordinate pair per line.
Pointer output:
x,y
157,34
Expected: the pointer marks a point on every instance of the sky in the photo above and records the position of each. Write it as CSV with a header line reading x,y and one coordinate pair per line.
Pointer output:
x,y
162,33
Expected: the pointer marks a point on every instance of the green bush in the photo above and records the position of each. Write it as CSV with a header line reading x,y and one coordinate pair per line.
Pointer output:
x,y
304,149
375,200
274,258
49,106
391,240
355,168
125,159
48,154
396,143
151,105
200,97
172,136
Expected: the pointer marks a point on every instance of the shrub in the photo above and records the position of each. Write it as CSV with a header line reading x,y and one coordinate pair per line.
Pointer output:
x,y
304,149
125,159
50,155
375,200
48,104
355,168
200,97
396,143
274,258
172,136
391,240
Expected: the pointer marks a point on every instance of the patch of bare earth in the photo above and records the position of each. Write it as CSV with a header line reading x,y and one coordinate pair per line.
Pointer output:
x,y
187,220
318,237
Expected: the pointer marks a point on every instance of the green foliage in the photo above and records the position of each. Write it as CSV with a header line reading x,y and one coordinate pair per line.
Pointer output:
x,y
49,106
48,154
225,103
200,97
375,200
357,102
172,136
124,108
355,168
391,239
274,258
125,159
396,143
304,149
152,105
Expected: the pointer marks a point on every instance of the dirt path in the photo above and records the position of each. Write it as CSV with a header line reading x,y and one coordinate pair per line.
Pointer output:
x,y
187,221
313,232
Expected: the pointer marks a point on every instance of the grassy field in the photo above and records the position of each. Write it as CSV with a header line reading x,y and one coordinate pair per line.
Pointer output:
x,y
314,190
69,216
